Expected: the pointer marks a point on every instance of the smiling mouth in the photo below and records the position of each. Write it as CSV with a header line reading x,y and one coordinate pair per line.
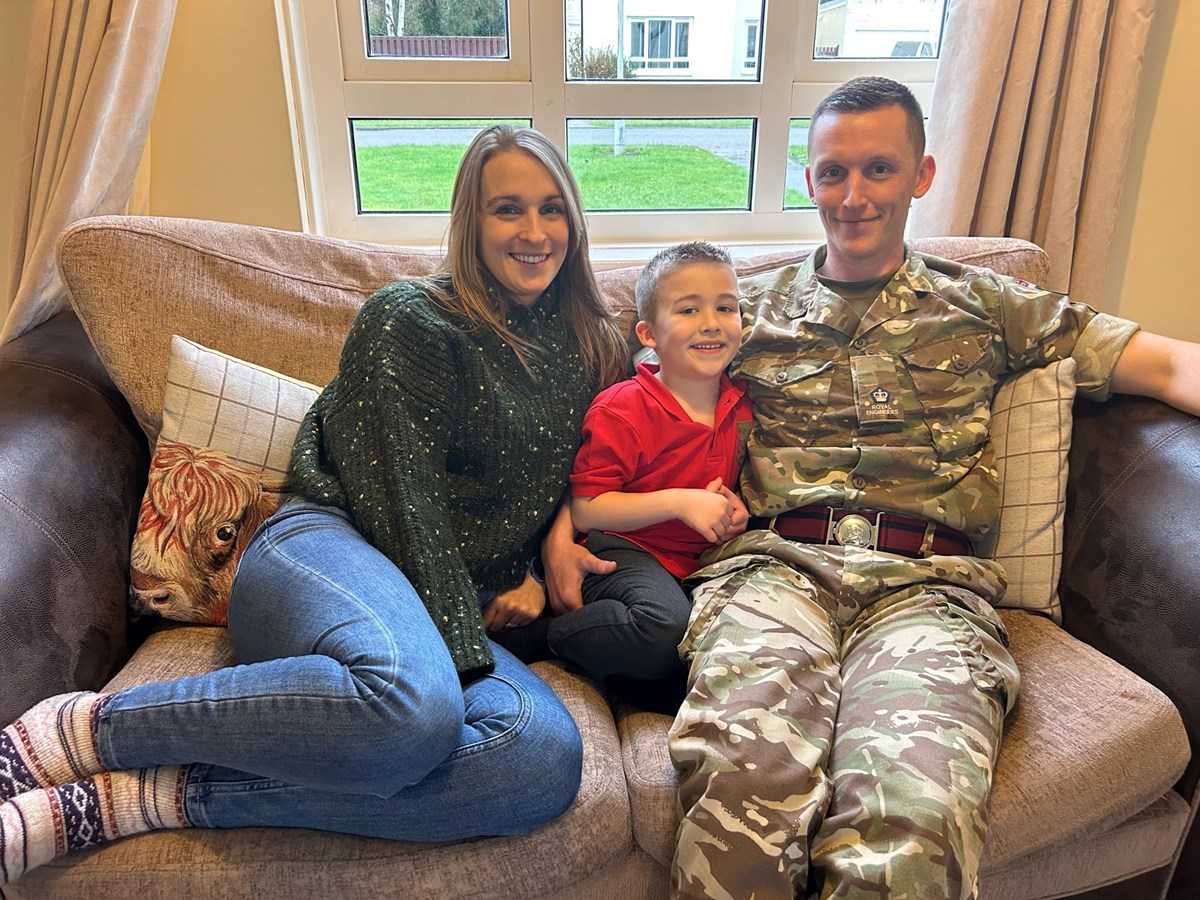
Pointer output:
x,y
715,346
530,259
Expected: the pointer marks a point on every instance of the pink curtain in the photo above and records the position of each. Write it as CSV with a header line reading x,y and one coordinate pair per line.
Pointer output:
x,y
1030,126
91,79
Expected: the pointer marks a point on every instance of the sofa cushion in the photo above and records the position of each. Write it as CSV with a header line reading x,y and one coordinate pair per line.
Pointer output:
x,y
219,469
1031,434
286,300
593,835
275,298
1088,746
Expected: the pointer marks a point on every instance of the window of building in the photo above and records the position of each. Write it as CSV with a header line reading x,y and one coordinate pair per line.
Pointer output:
x,y
659,43
751,60
680,119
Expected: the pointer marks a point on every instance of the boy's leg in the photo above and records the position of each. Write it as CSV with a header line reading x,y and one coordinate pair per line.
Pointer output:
x,y
632,620
752,737
918,730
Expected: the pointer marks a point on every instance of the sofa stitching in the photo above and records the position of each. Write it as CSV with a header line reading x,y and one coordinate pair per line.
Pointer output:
x,y
69,376
49,532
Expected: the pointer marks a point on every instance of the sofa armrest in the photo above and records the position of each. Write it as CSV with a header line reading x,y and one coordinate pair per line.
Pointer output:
x,y
73,466
1130,585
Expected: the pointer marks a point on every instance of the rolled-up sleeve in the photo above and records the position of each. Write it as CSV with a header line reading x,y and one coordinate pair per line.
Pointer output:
x,y
1096,353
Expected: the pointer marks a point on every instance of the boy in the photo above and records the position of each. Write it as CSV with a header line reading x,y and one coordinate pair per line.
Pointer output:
x,y
651,481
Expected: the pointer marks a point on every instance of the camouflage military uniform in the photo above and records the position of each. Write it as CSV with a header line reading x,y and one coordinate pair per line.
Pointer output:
x,y
845,705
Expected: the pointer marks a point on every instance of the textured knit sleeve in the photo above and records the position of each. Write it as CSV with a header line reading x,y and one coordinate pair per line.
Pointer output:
x,y
376,445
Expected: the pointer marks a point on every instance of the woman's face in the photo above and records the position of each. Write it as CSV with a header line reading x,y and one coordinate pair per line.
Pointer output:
x,y
523,227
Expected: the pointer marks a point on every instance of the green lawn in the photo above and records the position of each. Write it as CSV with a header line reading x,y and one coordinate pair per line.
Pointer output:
x,y
400,178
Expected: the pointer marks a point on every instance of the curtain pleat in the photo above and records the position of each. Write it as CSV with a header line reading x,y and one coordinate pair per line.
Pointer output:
x,y
91,79
1030,125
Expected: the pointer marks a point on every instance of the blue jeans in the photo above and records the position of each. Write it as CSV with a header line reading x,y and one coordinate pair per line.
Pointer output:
x,y
346,713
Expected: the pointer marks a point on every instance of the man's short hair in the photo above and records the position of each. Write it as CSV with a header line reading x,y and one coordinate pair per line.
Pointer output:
x,y
871,92
667,261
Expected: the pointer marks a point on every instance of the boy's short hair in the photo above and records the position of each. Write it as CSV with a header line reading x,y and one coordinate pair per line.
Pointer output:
x,y
667,261
871,92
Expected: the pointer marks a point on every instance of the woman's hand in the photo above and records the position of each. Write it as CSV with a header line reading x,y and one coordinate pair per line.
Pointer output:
x,y
566,563
516,606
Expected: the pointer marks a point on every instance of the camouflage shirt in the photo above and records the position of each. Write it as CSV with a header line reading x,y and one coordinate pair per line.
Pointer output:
x,y
892,412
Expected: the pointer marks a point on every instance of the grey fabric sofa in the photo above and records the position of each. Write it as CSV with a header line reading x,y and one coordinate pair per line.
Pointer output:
x,y
1095,787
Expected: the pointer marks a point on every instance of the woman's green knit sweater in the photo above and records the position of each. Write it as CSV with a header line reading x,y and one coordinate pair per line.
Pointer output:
x,y
448,454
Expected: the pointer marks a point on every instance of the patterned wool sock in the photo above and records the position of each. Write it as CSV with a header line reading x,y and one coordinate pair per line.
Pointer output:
x,y
54,743
40,825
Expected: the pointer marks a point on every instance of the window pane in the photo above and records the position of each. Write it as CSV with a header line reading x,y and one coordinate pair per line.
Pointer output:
x,y
661,164
796,192
435,29
867,29
408,165
634,39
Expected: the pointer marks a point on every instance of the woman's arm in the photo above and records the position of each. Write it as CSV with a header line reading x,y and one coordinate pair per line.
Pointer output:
x,y
387,434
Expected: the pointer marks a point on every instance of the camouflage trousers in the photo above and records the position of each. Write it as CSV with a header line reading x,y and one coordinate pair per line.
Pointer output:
x,y
842,721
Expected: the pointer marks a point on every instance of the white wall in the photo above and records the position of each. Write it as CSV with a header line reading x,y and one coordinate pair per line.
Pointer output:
x,y
1151,278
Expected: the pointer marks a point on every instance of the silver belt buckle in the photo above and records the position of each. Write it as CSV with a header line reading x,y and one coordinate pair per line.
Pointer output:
x,y
852,531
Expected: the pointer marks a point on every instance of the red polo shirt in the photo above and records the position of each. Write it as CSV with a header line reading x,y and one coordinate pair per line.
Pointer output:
x,y
637,438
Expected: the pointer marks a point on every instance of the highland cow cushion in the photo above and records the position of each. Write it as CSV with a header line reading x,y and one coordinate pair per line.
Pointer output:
x,y
219,468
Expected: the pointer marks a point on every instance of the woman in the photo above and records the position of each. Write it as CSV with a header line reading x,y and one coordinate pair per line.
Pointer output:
x,y
370,699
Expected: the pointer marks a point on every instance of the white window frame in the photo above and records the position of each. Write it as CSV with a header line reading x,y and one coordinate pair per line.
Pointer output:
x,y
331,80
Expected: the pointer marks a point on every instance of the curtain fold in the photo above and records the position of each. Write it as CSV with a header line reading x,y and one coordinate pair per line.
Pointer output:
x,y
91,79
1030,126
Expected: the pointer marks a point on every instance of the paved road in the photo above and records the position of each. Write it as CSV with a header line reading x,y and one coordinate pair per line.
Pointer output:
x,y
732,144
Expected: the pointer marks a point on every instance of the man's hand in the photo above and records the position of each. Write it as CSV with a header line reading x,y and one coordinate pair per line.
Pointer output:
x,y
516,606
566,563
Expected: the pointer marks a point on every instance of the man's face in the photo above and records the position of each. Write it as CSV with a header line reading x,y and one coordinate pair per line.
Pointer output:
x,y
862,173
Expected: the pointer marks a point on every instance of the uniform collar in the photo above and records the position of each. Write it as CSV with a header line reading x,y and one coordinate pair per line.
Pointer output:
x,y
814,303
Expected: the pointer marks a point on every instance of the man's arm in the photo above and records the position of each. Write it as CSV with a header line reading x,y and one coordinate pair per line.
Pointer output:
x,y
1164,368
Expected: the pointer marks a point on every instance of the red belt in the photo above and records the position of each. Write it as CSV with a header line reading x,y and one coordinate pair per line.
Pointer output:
x,y
884,531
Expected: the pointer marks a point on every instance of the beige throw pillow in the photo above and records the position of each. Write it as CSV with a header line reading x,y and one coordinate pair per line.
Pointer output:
x,y
1031,431
219,469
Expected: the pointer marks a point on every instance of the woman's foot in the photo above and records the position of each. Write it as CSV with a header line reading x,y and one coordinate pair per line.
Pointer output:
x,y
39,825
54,743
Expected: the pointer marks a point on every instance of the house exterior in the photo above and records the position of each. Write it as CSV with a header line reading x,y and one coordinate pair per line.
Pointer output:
x,y
719,40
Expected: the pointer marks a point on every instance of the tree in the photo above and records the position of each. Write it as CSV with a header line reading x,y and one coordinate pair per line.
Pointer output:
x,y
598,63
385,16
466,18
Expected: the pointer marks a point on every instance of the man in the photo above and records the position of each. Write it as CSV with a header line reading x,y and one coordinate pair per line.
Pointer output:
x,y
849,676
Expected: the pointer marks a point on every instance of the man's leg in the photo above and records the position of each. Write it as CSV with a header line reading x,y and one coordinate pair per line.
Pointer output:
x,y
923,701
751,739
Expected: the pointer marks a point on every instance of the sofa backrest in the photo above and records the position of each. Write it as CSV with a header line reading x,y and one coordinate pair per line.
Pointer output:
x,y
285,300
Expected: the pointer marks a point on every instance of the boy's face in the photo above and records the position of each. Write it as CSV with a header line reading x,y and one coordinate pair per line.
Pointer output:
x,y
696,328
863,173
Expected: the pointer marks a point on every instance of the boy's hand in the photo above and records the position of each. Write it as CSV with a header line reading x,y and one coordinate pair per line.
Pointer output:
x,y
711,513
741,515
515,607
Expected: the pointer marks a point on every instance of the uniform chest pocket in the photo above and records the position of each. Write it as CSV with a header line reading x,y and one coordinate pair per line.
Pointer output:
x,y
783,387
954,381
